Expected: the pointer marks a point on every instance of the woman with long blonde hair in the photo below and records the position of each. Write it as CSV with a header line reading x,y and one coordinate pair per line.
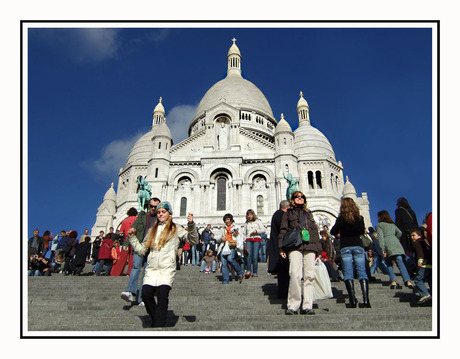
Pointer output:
x,y
349,227
161,241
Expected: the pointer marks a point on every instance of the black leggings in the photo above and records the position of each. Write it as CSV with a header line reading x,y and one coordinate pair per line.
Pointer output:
x,y
157,311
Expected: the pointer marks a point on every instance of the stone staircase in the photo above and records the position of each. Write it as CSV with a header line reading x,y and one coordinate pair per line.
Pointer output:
x,y
199,302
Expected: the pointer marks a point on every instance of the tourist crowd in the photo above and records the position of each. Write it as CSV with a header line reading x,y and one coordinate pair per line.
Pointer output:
x,y
149,245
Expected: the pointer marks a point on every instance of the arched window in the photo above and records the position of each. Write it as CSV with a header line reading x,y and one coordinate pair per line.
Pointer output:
x,y
260,205
310,180
183,206
221,193
318,179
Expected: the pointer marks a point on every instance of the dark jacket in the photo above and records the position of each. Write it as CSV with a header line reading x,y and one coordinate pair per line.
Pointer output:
x,y
206,236
406,220
276,263
349,232
39,248
291,220
140,225
96,246
81,254
72,243
423,251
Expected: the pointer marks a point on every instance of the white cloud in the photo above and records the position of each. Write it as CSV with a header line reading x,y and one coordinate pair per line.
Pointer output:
x,y
84,45
94,45
178,119
113,157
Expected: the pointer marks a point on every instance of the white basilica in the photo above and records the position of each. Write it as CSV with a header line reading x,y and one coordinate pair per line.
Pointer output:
x,y
235,158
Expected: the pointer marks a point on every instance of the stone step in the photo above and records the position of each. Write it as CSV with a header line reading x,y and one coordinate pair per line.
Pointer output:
x,y
199,302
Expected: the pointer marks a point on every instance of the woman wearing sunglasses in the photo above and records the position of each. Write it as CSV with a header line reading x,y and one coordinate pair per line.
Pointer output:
x,y
162,240
302,259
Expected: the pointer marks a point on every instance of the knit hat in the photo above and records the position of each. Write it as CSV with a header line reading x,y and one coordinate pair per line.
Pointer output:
x,y
166,205
235,229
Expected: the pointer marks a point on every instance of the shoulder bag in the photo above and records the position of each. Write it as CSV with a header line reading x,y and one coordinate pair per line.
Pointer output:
x,y
293,239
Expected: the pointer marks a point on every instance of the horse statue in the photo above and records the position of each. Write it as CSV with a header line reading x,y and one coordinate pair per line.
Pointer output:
x,y
144,193
292,185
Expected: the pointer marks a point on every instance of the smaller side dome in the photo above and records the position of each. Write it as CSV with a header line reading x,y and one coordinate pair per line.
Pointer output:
x,y
162,130
283,126
349,190
110,195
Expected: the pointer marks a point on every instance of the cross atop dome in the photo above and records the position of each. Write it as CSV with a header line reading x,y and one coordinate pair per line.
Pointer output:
x,y
161,99
234,40
301,94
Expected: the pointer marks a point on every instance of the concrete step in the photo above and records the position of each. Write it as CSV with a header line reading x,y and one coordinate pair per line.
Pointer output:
x,y
199,302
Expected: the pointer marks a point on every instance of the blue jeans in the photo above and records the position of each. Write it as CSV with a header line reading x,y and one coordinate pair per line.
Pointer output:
x,y
138,267
253,256
203,250
354,255
226,260
195,256
423,275
402,268
263,251
203,266
34,273
379,263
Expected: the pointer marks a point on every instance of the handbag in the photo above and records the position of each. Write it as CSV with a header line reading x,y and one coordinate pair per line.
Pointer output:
x,y
293,239
366,240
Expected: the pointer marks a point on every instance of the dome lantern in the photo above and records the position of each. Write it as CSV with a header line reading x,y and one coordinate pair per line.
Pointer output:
x,y
159,114
234,60
303,110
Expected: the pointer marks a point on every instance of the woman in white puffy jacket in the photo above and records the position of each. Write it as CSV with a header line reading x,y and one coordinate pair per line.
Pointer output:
x,y
161,242
254,231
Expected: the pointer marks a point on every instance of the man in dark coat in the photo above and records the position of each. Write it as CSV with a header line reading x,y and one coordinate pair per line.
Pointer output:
x,y
276,264
406,221
35,243
69,251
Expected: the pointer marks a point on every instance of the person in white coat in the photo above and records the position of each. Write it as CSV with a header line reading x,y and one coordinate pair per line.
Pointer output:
x,y
254,231
161,243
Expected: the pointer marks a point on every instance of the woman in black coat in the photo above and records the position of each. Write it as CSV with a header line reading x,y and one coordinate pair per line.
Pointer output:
x,y
302,259
79,259
349,226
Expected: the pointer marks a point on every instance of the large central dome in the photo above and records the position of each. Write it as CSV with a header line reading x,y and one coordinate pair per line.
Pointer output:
x,y
235,90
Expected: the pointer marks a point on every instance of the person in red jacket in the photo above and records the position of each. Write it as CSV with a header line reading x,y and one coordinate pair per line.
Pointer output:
x,y
125,255
105,255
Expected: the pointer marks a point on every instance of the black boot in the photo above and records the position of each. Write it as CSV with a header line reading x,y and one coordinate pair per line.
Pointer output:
x,y
365,289
351,293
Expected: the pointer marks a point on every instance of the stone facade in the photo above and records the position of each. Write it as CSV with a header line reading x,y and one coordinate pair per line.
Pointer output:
x,y
235,158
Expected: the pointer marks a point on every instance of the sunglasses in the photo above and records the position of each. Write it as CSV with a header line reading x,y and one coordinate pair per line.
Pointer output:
x,y
299,196
152,206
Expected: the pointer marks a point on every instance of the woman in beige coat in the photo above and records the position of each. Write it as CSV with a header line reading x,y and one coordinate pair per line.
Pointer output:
x,y
161,242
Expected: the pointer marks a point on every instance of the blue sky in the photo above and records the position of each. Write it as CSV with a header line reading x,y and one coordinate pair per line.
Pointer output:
x,y
91,93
